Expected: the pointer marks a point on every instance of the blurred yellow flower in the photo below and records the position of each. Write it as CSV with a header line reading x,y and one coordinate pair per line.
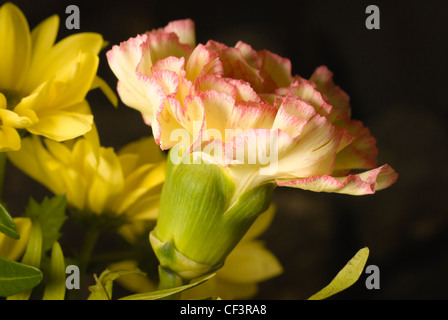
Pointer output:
x,y
13,249
43,85
96,180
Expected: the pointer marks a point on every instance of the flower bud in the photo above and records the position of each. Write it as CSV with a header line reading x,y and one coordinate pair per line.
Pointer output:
x,y
202,219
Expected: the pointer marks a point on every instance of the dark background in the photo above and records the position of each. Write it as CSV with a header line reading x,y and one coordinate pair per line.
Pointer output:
x,y
396,78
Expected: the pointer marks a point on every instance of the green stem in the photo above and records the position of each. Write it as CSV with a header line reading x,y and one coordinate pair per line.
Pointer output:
x,y
169,280
84,256
87,249
2,172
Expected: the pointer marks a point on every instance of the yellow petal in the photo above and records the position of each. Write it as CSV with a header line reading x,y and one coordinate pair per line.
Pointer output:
x,y
42,37
261,224
104,87
12,119
15,45
65,124
12,249
9,139
59,59
146,150
250,262
140,182
107,182
132,282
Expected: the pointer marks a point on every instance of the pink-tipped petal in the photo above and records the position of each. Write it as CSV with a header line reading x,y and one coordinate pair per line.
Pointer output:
x,y
307,92
218,109
168,80
173,64
246,115
276,68
209,82
244,91
337,97
355,184
203,61
362,152
184,29
124,60
163,45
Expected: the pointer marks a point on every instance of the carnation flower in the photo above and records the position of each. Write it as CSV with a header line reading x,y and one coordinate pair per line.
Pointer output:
x,y
237,124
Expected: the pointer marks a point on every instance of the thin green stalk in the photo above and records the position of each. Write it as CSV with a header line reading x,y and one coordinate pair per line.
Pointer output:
x,y
87,249
2,172
84,256
169,280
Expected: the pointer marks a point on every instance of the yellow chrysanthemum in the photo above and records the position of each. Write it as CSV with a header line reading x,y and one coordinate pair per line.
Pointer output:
x,y
43,85
13,249
96,180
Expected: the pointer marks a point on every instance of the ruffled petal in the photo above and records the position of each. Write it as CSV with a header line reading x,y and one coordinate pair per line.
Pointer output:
x,y
276,68
133,87
355,184
203,61
337,97
162,45
184,29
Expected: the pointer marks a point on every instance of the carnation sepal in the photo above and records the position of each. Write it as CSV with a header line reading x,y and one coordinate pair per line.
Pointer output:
x,y
176,265
203,216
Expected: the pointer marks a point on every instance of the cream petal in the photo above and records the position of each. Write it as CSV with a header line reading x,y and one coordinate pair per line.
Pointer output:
x,y
184,29
323,78
203,61
276,68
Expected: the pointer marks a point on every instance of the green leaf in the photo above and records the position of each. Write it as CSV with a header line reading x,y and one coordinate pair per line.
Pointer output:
x,y
7,225
51,216
16,277
346,277
55,287
102,290
32,256
160,294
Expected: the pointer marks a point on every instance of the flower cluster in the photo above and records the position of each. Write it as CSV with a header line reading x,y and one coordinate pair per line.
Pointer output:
x,y
236,124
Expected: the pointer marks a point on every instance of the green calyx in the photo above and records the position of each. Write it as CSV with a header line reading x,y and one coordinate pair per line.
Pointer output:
x,y
201,219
